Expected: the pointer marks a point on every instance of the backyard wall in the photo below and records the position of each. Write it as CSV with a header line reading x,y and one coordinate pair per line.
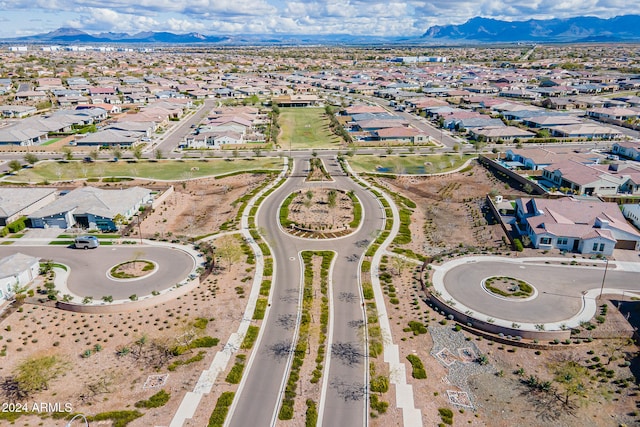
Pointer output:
x,y
536,189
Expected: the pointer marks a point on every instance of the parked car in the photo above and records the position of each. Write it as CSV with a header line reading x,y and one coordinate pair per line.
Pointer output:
x,y
86,242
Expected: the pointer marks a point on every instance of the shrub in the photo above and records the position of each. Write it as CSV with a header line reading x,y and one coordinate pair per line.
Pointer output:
x,y
219,413
200,323
235,374
379,384
250,337
447,415
418,372
312,414
119,418
157,400
378,405
261,307
517,245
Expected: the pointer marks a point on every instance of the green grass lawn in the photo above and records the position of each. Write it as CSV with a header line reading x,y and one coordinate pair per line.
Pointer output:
x,y
305,128
411,164
171,170
51,141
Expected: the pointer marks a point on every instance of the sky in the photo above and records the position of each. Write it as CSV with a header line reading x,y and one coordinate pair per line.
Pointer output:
x,y
211,17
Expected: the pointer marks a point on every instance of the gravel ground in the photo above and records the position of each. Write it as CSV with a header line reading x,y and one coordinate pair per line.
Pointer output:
x,y
459,371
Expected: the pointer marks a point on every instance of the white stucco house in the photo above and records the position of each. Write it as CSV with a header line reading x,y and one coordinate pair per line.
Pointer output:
x,y
632,213
17,270
586,227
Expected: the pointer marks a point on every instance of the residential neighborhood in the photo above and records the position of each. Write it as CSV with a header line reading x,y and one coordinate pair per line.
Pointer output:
x,y
290,234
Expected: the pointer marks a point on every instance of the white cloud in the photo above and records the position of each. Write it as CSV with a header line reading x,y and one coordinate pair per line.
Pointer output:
x,y
378,17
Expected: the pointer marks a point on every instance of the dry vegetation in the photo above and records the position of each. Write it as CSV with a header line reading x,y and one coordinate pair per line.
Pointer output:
x,y
450,211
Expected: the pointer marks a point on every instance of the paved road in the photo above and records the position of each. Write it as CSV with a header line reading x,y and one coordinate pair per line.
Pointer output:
x,y
171,140
560,289
345,402
88,268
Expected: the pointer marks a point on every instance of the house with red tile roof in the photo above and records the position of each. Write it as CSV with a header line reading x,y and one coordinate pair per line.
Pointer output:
x,y
586,227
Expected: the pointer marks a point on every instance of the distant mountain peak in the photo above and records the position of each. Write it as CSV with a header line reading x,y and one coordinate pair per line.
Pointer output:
x,y
577,29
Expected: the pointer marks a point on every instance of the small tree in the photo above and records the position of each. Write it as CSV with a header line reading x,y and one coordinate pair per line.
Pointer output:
x,y
31,158
67,153
94,154
137,152
229,250
116,152
15,165
159,154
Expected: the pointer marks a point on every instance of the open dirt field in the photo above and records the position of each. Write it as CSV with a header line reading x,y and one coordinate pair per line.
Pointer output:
x,y
101,376
450,213
496,392
198,207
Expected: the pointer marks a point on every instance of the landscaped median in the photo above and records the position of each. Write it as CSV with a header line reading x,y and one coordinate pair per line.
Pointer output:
x,y
310,339
322,213
235,374
378,328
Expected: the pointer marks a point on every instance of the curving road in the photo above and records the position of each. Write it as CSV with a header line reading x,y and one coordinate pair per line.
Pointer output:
x,y
560,288
88,268
345,402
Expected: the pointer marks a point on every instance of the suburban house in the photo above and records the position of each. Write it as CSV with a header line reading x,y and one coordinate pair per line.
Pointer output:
x,y
91,208
406,134
503,133
111,138
585,130
298,100
15,135
539,158
586,227
632,213
613,113
628,149
17,111
17,270
18,202
584,179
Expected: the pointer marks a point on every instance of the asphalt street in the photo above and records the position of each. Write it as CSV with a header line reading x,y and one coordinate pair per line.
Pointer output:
x,y
345,400
560,289
89,268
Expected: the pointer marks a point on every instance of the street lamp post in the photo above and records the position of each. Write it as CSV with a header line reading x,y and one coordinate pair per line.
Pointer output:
x,y
604,276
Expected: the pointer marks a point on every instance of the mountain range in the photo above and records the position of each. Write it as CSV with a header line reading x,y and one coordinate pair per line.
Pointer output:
x,y
574,30
476,30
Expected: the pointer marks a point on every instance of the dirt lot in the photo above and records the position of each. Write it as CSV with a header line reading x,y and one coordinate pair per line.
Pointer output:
x,y
450,212
198,207
449,215
497,392
96,379
312,210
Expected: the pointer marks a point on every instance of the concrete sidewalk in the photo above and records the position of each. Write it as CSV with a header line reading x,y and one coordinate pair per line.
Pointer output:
x,y
208,377
589,298
411,416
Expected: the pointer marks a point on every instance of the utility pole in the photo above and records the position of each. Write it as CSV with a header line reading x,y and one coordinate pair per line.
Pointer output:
x,y
604,276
